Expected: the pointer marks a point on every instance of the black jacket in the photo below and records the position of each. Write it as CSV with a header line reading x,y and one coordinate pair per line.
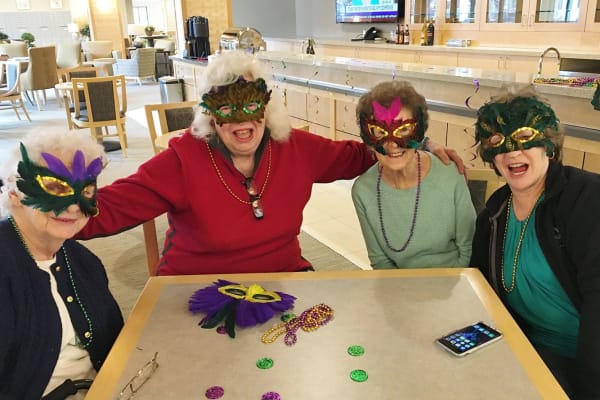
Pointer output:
x,y
567,224
30,327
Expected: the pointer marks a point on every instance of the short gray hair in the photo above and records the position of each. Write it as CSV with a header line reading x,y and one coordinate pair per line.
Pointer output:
x,y
62,144
225,69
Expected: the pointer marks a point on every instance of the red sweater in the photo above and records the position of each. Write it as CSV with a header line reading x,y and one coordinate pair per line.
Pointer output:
x,y
210,231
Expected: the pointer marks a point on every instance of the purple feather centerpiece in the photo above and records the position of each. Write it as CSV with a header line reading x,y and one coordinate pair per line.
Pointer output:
x,y
236,304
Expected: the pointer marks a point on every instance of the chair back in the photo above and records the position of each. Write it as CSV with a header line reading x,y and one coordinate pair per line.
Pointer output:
x,y
68,54
103,98
11,95
93,49
482,183
144,58
14,49
171,117
41,71
81,71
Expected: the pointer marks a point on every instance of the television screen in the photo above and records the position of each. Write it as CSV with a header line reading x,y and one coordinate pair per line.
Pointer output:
x,y
368,10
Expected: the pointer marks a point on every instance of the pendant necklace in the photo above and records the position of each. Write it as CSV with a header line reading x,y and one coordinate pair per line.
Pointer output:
x,y
416,208
513,278
89,333
255,198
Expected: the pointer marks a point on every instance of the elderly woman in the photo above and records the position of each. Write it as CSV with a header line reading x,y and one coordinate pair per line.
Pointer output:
x,y
537,239
413,210
57,316
235,185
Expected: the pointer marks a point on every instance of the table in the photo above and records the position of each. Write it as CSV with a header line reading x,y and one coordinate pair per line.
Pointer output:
x,y
151,38
394,314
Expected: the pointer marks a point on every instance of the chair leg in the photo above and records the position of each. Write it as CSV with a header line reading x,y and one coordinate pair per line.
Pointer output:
x,y
151,243
37,100
25,110
14,107
121,133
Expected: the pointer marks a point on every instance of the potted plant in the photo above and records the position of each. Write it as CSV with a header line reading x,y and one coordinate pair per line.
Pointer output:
x,y
85,32
3,37
28,38
149,30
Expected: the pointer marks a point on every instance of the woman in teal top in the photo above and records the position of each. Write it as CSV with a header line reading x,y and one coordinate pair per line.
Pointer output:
x,y
413,210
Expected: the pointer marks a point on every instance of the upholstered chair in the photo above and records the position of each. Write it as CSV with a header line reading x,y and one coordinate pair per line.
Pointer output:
x,y
166,45
14,49
139,66
10,95
95,49
41,72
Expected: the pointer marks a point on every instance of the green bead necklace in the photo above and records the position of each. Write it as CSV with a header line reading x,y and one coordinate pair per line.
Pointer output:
x,y
89,334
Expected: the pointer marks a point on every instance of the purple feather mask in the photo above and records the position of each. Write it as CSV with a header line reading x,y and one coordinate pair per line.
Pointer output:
x,y
236,304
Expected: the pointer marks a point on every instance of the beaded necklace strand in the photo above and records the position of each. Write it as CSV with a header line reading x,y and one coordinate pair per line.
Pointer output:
x,y
513,278
310,320
416,208
89,334
235,196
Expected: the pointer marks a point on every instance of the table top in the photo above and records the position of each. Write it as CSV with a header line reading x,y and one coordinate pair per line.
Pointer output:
x,y
395,315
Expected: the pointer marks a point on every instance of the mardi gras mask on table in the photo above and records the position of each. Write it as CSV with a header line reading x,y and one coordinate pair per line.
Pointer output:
x,y
240,101
515,125
55,188
237,304
382,126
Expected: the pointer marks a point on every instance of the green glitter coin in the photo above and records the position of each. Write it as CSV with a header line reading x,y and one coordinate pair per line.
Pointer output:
x,y
287,316
356,350
264,363
359,375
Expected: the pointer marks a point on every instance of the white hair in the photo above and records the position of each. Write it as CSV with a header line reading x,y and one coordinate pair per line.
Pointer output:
x,y
62,144
225,69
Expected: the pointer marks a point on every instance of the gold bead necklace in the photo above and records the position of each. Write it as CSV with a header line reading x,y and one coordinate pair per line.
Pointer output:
x,y
513,279
310,320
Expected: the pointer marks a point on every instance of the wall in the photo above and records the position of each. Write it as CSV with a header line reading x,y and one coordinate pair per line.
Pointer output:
x,y
218,13
247,14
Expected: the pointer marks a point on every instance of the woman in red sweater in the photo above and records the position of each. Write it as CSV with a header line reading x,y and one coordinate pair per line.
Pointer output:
x,y
235,184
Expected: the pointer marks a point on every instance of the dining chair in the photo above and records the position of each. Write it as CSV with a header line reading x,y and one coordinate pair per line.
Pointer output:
x,y
65,75
140,66
482,182
11,96
41,72
171,117
105,106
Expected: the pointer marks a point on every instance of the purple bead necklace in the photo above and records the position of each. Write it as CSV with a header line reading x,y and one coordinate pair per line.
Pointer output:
x,y
416,208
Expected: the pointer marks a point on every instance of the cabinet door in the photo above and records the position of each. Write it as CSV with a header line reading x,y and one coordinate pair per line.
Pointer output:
x,y
484,61
295,101
319,104
345,116
592,23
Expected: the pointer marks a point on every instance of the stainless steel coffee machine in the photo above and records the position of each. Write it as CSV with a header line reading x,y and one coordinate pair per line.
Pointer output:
x,y
242,38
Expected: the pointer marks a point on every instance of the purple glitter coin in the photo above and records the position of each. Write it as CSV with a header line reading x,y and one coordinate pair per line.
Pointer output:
x,y
222,330
271,396
214,392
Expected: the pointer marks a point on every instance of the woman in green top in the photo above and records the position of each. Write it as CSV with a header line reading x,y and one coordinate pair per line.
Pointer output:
x,y
413,210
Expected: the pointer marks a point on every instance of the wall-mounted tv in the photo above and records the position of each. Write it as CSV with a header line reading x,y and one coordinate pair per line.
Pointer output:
x,y
369,10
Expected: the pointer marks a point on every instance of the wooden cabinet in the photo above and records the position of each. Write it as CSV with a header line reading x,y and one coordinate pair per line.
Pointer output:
x,y
346,126
592,23
188,73
319,112
512,63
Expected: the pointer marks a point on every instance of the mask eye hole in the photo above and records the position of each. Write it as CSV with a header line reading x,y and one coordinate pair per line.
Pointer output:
x,y
495,140
377,132
89,191
55,186
405,129
524,134
226,110
252,107
263,297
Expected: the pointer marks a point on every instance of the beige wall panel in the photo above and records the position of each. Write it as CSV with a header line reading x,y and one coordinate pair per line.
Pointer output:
x,y
592,162
106,22
218,13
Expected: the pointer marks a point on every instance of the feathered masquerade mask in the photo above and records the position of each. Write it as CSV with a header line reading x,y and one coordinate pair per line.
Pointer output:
x,y
240,101
515,125
382,126
55,188
237,304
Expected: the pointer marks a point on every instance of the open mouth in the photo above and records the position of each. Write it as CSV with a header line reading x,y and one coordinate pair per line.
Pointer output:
x,y
396,154
243,135
518,169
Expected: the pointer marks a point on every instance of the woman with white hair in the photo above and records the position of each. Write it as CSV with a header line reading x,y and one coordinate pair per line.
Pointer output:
x,y
57,316
234,185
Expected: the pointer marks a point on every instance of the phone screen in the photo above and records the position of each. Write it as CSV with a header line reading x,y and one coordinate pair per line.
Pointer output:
x,y
468,339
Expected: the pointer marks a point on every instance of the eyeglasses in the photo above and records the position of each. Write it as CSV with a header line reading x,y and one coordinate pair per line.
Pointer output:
x,y
141,377
522,135
254,199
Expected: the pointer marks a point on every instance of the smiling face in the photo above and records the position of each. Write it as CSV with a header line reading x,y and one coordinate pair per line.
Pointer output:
x,y
241,139
524,170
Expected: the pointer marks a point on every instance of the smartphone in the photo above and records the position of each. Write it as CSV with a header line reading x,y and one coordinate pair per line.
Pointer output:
x,y
468,339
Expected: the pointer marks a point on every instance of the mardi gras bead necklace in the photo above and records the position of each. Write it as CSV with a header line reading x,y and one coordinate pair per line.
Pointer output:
x,y
254,203
416,209
89,333
310,320
513,278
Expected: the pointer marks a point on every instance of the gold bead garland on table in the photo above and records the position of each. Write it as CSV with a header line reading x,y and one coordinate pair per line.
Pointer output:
x,y
310,320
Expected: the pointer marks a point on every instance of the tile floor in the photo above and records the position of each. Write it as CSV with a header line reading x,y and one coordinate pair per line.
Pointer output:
x,y
330,218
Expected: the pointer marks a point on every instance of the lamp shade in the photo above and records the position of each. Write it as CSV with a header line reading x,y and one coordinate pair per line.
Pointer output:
x,y
135,29
73,28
